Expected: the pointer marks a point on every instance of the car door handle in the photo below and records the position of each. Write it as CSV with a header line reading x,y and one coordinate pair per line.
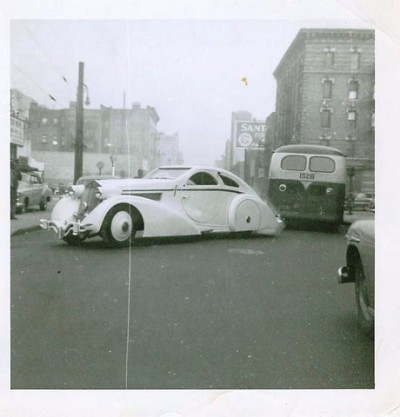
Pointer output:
x,y
185,197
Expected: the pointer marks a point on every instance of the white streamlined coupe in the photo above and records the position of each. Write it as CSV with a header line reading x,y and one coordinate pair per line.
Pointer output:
x,y
169,201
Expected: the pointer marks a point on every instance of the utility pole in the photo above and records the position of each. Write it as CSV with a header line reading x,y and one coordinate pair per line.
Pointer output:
x,y
79,126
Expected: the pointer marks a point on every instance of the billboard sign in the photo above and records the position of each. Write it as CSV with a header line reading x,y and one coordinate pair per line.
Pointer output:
x,y
250,134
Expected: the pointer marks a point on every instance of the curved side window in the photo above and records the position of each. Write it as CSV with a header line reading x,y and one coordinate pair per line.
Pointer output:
x,y
322,164
229,182
202,178
294,163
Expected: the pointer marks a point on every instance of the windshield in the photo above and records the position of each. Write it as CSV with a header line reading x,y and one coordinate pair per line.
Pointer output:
x,y
166,173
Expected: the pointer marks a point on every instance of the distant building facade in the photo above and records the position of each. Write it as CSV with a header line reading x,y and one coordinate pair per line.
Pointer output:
x,y
325,95
126,137
167,150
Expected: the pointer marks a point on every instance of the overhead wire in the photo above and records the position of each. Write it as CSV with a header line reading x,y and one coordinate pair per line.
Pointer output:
x,y
63,77
47,55
38,85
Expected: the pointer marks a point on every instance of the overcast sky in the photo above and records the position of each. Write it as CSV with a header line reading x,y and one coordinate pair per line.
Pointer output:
x,y
191,71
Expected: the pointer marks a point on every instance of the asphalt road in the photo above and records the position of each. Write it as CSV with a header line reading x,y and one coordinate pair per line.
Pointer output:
x,y
215,312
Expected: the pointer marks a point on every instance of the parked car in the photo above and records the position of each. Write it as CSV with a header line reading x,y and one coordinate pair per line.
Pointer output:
x,y
32,192
363,201
360,269
169,201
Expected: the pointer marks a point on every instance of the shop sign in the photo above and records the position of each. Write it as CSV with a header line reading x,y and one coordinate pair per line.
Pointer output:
x,y
17,131
250,134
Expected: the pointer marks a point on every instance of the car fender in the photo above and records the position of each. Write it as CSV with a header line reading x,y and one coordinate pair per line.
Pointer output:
x,y
47,193
64,210
158,218
250,213
244,214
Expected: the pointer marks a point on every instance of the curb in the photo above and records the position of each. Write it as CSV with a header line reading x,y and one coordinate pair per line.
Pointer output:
x,y
25,230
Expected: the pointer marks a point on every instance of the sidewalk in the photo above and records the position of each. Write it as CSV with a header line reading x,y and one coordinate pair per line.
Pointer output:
x,y
30,221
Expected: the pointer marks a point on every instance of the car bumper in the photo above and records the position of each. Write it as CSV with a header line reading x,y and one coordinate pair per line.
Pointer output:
x,y
73,228
344,275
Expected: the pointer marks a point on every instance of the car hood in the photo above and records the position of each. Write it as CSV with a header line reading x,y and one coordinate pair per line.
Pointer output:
x,y
140,184
364,230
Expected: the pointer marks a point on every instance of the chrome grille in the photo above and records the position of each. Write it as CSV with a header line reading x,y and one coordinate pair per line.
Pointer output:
x,y
88,200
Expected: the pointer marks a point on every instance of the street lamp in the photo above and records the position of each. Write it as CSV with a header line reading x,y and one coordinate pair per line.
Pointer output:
x,y
87,101
79,124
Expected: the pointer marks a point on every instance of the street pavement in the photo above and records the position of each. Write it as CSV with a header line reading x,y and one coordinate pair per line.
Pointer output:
x,y
30,221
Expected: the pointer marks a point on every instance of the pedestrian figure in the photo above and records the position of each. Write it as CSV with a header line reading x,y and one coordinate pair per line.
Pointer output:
x,y
15,176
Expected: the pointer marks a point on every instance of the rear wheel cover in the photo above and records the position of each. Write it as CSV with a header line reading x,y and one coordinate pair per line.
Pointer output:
x,y
244,215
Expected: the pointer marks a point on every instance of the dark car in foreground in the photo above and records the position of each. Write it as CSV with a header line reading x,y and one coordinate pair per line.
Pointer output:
x,y
360,270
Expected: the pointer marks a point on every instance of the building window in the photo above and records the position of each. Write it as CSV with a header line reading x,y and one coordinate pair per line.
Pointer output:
x,y
55,140
355,60
55,121
353,89
329,58
326,118
352,119
44,121
44,139
327,89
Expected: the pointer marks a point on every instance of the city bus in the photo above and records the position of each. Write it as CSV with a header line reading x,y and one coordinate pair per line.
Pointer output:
x,y
308,183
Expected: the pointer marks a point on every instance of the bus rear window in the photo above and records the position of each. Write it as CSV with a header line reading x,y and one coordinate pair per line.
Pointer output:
x,y
294,163
322,164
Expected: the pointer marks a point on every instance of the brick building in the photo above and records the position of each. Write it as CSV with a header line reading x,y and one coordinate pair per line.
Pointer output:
x,y
130,135
325,95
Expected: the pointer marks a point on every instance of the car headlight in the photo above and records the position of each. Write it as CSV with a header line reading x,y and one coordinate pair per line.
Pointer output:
x,y
71,191
329,190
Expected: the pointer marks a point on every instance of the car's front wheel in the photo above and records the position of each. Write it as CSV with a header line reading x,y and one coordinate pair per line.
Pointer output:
x,y
119,226
364,308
